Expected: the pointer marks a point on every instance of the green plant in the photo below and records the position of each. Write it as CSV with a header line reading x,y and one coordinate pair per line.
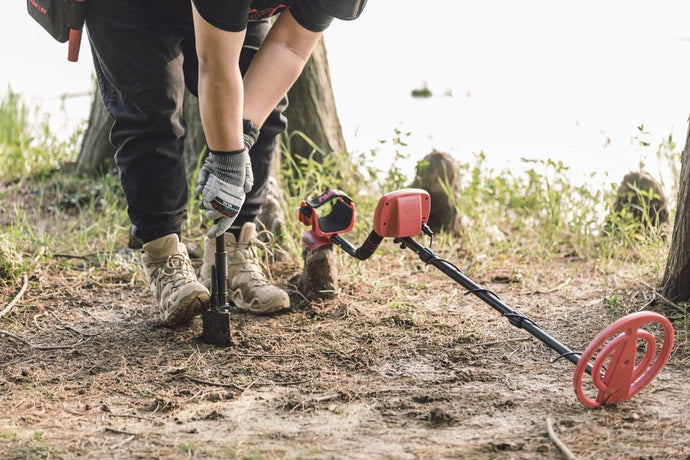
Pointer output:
x,y
189,448
27,149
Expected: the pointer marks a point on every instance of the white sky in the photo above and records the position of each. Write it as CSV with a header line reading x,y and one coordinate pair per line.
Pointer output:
x,y
537,78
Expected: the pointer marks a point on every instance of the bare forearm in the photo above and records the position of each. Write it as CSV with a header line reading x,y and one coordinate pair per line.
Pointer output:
x,y
276,67
220,109
220,85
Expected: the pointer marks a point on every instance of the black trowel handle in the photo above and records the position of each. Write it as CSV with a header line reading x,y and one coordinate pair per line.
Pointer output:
x,y
220,275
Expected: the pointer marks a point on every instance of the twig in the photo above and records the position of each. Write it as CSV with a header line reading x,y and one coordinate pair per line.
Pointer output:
x,y
70,328
661,297
138,417
266,355
36,322
121,443
19,295
16,337
562,447
248,387
327,397
296,291
39,347
215,384
73,256
113,430
500,342
672,304
243,389
550,290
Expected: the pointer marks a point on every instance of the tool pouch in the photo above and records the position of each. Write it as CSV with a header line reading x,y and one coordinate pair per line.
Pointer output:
x,y
52,15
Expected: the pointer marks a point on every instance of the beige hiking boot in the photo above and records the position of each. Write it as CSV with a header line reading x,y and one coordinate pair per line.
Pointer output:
x,y
172,280
248,287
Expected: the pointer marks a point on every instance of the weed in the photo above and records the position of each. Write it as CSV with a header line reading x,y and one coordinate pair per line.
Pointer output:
x,y
8,433
613,303
26,149
189,448
538,210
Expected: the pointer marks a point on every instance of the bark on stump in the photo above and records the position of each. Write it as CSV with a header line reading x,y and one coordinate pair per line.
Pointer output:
x,y
96,152
642,197
312,109
319,278
439,174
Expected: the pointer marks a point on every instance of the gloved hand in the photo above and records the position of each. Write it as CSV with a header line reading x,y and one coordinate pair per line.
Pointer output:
x,y
224,182
220,183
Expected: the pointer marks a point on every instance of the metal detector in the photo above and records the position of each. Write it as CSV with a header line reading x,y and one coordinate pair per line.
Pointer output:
x,y
622,360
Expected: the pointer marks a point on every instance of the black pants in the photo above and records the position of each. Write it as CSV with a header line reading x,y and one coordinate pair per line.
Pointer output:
x,y
144,57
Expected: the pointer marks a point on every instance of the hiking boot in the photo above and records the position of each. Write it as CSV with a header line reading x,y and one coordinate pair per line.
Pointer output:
x,y
248,288
173,282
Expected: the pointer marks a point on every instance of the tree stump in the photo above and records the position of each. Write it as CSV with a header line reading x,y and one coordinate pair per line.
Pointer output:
x,y
641,197
319,278
439,174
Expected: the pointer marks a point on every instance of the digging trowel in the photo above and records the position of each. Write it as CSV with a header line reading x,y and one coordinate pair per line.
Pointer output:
x,y
216,318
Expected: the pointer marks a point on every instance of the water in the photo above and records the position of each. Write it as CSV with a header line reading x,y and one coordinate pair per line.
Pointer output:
x,y
570,81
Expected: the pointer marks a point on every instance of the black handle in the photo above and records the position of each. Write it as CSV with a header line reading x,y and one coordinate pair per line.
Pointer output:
x,y
365,250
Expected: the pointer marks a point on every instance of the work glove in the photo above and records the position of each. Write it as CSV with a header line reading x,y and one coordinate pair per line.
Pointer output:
x,y
224,181
222,184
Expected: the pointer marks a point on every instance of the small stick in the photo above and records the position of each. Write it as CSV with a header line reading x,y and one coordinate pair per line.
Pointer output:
x,y
248,387
215,384
113,430
549,290
243,389
562,447
121,443
19,295
39,347
138,417
500,342
666,301
16,337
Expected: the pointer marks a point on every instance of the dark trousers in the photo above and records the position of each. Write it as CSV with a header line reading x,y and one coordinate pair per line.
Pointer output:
x,y
144,57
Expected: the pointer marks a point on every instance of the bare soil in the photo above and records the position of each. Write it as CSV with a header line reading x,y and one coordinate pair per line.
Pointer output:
x,y
399,365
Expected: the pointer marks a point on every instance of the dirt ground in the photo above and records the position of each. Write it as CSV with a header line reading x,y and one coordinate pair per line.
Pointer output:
x,y
400,365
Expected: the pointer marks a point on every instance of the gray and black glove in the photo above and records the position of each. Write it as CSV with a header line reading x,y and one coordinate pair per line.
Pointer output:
x,y
223,184
224,180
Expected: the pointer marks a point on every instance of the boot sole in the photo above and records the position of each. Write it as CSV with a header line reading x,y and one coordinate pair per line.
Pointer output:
x,y
254,306
188,308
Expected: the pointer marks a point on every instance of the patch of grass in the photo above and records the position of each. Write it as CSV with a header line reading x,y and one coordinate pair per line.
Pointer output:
x,y
536,211
31,450
72,220
8,433
25,445
11,263
189,448
26,149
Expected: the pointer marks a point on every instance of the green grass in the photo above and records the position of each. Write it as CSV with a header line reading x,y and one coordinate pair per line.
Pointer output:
x,y
536,210
27,149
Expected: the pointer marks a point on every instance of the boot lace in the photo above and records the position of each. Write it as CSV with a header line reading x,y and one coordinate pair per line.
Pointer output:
x,y
250,263
177,269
